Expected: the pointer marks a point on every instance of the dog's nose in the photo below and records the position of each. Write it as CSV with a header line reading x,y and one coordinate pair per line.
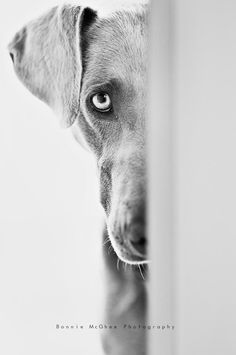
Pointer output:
x,y
17,46
137,239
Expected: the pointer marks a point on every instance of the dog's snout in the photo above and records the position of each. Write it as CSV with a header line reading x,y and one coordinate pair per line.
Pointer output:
x,y
17,46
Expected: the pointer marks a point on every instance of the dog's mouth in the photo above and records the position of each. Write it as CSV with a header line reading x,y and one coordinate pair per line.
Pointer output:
x,y
129,257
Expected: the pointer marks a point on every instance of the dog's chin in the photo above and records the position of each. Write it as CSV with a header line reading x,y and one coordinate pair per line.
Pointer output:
x,y
132,260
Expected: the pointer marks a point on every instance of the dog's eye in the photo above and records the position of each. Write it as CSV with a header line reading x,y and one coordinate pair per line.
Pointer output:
x,y
101,102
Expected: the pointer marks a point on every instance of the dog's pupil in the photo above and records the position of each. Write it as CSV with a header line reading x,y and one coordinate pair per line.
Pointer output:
x,y
102,98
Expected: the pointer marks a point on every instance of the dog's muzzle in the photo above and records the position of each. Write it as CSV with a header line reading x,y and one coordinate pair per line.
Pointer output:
x,y
129,236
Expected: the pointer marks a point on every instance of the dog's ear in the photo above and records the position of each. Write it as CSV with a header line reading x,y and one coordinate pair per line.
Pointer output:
x,y
47,56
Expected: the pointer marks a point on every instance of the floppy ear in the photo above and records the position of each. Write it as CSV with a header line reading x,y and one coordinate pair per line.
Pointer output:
x,y
47,57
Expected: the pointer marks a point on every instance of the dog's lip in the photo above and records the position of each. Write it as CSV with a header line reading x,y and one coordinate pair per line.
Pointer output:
x,y
129,257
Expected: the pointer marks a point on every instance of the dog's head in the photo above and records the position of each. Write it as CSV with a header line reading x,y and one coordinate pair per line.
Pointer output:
x,y
92,71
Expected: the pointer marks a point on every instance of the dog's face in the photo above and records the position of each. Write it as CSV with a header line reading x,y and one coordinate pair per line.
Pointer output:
x,y
92,71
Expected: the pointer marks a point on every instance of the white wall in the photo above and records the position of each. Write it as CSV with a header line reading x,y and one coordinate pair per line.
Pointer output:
x,y
205,176
160,177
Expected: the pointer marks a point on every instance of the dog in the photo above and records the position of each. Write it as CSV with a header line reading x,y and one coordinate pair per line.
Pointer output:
x,y
91,69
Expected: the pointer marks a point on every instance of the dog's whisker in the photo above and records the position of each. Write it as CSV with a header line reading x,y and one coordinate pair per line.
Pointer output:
x,y
141,273
117,265
107,240
110,249
143,269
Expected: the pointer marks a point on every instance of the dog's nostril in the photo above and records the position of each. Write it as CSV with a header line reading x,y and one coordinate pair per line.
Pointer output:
x,y
12,56
138,242
17,46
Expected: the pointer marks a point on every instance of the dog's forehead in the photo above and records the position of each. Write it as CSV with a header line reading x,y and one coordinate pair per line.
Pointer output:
x,y
117,47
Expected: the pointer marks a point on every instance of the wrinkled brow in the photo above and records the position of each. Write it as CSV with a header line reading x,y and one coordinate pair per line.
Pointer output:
x,y
95,84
